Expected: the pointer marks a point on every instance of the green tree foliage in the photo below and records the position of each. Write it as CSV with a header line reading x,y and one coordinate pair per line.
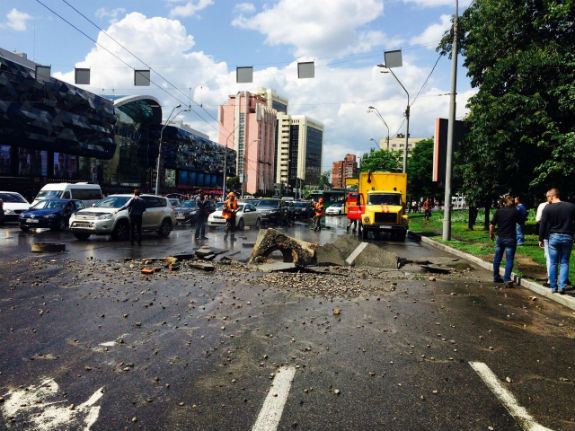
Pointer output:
x,y
324,181
234,184
381,160
521,58
419,171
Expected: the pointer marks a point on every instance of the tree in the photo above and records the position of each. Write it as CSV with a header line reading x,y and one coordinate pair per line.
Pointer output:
x,y
381,160
419,171
324,183
234,184
521,137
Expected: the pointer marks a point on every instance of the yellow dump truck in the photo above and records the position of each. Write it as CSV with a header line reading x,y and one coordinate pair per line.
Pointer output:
x,y
382,203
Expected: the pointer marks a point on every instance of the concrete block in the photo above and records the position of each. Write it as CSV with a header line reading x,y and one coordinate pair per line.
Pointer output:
x,y
293,250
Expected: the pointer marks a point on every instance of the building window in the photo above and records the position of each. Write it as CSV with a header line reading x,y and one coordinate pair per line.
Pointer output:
x,y
32,162
5,168
65,165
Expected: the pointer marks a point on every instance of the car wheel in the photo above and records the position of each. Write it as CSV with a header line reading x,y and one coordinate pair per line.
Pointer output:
x,y
62,225
24,228
121,231
82,236
258,223
241,224
165,228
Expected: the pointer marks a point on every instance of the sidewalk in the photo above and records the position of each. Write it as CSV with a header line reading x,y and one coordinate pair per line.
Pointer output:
x,y
567,300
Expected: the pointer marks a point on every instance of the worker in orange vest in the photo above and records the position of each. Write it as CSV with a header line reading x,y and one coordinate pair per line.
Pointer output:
x,y
319,212
229,210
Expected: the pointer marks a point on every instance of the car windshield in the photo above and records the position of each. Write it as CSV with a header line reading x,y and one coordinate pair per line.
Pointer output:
x,y
48,194
174,202
49,205
189,204
384,199
12,197
219,206
113,202
336,205
268,203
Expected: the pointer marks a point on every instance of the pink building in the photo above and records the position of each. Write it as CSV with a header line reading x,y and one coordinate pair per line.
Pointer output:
x,y
248,125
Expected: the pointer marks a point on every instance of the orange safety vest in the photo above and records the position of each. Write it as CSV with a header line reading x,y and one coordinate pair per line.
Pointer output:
x,y
229,207
319,210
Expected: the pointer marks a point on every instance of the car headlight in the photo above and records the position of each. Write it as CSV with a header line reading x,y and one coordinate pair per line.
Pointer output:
x,y
104,217
50,216
366,219
9,212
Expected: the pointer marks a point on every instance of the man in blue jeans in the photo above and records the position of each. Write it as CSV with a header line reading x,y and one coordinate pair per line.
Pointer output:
x,y
558,227
505,219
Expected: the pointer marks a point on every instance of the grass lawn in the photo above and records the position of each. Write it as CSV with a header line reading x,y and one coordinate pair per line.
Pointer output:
x,y
529,258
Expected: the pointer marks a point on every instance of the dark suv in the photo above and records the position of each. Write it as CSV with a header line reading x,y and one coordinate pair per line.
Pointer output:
x,y
303,209
273,211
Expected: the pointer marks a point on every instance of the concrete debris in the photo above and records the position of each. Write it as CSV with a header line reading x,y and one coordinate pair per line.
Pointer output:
x,y
292,250
276,267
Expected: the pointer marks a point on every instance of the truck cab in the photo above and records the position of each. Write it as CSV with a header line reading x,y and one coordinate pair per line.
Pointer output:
x,y
384,194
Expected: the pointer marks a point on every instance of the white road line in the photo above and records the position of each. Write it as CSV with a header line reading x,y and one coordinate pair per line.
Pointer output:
x,y
271,411
525,420
355,253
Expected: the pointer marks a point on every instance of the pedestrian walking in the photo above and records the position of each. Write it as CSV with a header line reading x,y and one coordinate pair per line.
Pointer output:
x,y
201,215
505,219
426,206
229,209
520,226
558,227
319,212
136,207
538,216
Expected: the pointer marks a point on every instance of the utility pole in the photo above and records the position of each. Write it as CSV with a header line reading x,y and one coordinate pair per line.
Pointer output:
x,y
450,129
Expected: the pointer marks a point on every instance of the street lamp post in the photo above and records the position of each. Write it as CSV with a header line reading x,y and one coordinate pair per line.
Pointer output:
x,y
388,67
160,148
373,109
450,127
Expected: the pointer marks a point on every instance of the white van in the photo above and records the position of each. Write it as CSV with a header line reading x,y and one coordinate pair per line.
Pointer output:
x,y
87,193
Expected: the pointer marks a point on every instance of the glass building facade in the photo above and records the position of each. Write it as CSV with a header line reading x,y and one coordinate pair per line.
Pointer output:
x,y
51,131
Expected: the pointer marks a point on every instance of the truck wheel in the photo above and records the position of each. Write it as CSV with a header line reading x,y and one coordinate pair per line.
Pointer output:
x,y
121,231
363,234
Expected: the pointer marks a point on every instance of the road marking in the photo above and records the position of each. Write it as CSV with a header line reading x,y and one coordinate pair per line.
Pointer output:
x,y
355,253
525,420
42,409
271,411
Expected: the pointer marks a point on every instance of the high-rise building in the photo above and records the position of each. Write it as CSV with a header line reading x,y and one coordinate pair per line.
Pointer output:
x,y
300,147
346,168
247,124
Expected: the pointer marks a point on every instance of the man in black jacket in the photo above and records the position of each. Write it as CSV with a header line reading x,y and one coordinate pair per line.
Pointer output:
x,y
558,227
505,219
136,207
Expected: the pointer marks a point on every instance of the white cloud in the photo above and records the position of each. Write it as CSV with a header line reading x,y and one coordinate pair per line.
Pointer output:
x,y
430,3
16,20
110,14
338,97
318,29
245,8
432,35
191,8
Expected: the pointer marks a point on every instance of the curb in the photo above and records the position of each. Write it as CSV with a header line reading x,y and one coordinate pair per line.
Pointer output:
x,y
567,301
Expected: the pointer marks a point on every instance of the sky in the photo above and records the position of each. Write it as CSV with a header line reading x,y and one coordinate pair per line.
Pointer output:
x,y
194,46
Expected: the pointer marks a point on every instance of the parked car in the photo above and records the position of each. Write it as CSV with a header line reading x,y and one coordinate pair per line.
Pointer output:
x,y
49,213
175,202
303,209
12,205
247,215
335,209
273,211
186,212
101,219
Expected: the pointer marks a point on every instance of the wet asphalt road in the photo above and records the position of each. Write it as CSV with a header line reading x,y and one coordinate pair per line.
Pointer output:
x,y
192,350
